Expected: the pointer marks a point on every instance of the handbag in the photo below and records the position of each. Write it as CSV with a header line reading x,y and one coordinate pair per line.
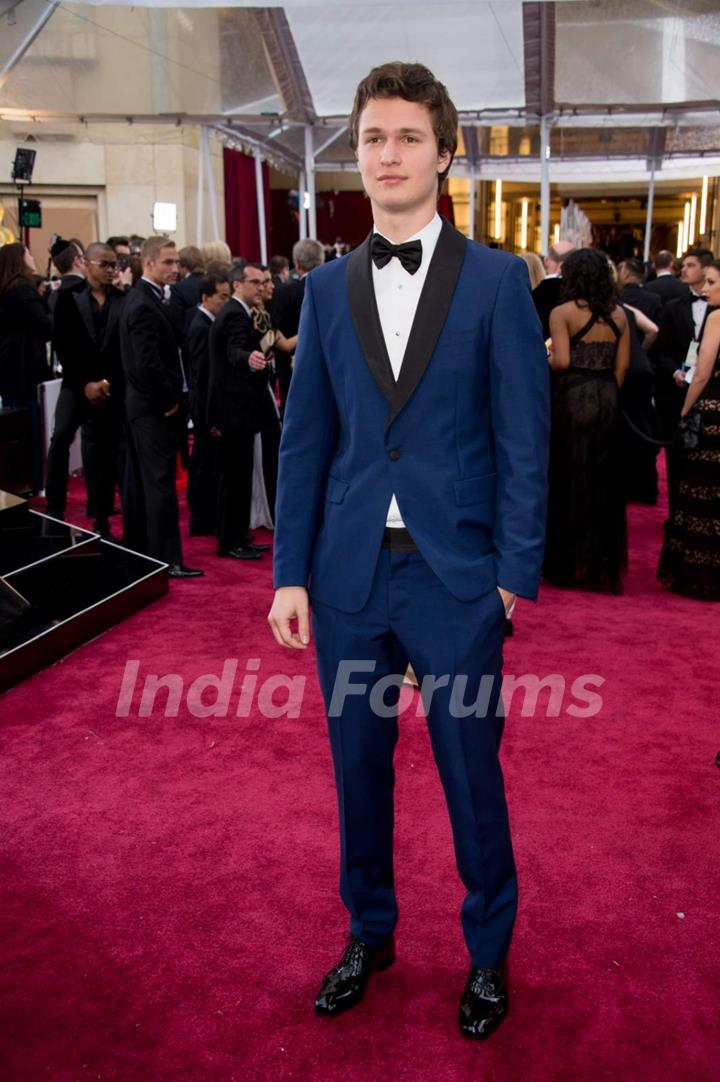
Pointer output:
x,y
690,430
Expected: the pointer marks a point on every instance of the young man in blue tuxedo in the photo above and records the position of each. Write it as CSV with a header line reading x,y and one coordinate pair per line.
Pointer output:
x,y
410,513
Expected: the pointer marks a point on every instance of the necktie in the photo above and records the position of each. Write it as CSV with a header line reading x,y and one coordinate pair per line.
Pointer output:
x,y
409,254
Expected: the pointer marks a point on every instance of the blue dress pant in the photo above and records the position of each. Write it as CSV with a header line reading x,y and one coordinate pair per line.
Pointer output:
x,y
410,616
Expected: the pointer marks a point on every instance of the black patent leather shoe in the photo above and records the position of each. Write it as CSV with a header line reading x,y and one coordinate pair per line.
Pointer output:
x,y
484,1003
242,552
251,543
178,571
344,986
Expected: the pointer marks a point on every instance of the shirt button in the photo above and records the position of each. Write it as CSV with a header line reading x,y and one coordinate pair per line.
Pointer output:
x,y
394,455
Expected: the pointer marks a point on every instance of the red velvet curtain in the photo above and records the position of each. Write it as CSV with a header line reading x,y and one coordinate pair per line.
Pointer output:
x,y
242,232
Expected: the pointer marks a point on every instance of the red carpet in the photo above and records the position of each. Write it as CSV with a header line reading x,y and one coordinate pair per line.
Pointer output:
x,y
168,884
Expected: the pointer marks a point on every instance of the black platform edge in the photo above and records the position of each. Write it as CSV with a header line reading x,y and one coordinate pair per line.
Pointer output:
x,y
57,642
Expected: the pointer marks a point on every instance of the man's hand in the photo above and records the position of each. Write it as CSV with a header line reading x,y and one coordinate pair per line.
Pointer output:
x,y
508,599
215,432
257,360
173,411
679,378
291,603
97,392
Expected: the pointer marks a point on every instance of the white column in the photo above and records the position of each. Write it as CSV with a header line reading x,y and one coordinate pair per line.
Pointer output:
x,y
302,214
212,194
260,190
310,180
649,217
544,184
200,204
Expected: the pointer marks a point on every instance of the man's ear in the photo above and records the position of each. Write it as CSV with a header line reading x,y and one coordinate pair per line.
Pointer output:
x,y
444,160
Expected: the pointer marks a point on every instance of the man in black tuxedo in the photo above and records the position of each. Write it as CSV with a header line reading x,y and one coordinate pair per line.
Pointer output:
x,y
681,328
67,257
666,286
186,292
633,292
203,468
307,254
87,343
546,295
240,404
151,362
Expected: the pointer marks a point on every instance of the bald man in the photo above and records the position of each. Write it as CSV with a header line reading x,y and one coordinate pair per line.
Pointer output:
x,y
546,295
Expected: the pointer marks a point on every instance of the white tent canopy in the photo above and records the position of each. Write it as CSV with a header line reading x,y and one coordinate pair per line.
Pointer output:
x,y
583,64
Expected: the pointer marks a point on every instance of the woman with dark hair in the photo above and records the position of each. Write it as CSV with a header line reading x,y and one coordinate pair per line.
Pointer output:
x,y
586,532
24,332
690,559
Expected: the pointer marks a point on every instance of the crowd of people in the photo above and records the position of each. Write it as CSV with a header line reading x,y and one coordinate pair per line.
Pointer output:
x,y
634,352
161,352
165,352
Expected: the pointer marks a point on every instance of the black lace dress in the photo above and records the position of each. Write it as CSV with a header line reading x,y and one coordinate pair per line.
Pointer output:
x,y
586,533
690,559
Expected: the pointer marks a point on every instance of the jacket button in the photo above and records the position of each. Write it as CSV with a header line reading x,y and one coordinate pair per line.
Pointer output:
x,y
394,456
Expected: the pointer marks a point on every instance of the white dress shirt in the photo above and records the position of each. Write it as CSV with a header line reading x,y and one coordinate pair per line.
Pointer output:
x,y
206,312
397,294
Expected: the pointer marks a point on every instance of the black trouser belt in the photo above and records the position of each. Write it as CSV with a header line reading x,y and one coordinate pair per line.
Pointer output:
x,y
398,539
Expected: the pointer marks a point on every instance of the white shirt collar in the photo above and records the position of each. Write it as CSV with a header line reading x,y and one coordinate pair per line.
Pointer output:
x,y
428,236
158,289
665,274
206,312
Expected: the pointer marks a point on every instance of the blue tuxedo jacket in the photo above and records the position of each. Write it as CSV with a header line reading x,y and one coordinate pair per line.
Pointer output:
x,y
461,438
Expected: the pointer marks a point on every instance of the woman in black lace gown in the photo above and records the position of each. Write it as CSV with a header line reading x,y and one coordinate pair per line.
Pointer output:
x,y
690,559
586,534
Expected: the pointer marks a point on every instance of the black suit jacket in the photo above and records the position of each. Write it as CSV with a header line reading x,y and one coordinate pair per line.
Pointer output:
x,y
668,288
67,282
677,330
83,357
647,303
238,396
196,361
150,356
546,296
288,303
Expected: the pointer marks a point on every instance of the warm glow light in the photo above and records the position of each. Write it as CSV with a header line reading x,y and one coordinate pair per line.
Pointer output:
x,y
556,233
686,225
681,239
693,219
703,206
524,224
164,217
498,209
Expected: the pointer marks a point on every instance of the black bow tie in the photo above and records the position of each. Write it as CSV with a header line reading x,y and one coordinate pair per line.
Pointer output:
x,y
382,251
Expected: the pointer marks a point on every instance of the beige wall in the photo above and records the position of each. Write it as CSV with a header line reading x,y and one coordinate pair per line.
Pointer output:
x,y
118,182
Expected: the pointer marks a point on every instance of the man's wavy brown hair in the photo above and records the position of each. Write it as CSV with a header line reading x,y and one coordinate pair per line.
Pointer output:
x,y
411,82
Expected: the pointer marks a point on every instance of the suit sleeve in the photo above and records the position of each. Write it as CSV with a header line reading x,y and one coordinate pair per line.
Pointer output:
x,y
520,412
65,340
664,349
309,439
148,373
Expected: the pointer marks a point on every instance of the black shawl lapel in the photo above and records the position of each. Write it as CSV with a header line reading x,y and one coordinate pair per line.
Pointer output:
x,y
433,306
82,300
363,308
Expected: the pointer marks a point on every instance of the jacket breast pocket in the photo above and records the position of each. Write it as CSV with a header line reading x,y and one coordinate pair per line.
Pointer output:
x,y
336,489
473,490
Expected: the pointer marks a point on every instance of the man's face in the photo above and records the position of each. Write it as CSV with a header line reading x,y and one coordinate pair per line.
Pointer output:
x,y
163,270
122,249
693,272
397,154
100,268
268,287
217,300
284,274
250,289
